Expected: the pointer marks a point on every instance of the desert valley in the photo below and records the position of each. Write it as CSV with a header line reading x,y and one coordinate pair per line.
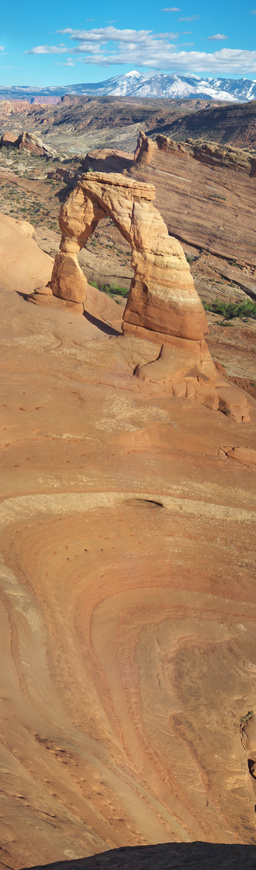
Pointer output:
x,y
128,462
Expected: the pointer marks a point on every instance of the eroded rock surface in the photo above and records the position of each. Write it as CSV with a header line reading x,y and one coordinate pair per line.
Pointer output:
x,y
205,194
188,369
206,152
128,603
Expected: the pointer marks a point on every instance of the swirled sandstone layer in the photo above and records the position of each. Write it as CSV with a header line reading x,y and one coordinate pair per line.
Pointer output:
x,y
128,611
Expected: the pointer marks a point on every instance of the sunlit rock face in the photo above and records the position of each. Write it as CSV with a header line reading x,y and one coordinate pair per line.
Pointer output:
x,y
23,267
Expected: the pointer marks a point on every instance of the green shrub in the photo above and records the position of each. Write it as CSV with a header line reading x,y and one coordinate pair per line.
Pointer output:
x,y
114,290
229,310
246,718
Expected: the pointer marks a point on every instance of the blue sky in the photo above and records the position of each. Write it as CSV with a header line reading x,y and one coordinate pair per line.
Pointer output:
x,y
54,44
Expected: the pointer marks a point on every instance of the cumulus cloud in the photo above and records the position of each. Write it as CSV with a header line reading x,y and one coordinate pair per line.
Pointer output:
x,y
108,46
217,36
48,49
113,34
225,61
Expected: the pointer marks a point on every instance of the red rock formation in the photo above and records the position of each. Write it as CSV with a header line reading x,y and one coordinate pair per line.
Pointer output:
x,y
162,305
29,142
162,296
199,191
8,139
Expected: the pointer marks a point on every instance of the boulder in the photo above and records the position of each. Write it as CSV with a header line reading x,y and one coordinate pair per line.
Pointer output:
x,y
35,145
68,281
23,266
9,140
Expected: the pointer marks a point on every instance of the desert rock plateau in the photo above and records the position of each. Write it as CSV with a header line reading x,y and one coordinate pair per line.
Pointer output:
x,y
127,525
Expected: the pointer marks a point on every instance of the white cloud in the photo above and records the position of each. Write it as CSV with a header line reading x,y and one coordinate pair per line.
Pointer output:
x,y
189,18
172,9
1,47
226,61
108,46
48,49
68,63
217,36
112,34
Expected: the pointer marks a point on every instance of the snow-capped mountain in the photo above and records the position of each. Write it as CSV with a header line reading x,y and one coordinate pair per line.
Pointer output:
x,y
136,84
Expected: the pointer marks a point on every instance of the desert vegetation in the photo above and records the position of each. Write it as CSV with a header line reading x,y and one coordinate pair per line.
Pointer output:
x,y
230,310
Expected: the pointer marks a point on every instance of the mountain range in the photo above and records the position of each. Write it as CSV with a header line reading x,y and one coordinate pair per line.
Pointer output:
x,y
136,84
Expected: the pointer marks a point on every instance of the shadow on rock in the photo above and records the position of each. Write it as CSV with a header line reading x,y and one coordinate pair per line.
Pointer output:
x,y
104,327
166,856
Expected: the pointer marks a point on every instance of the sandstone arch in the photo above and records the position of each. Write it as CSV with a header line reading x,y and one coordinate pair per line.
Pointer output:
x,y
162,296
162,305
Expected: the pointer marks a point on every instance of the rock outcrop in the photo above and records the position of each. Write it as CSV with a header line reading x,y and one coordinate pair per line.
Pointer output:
x,y
8,140
187,368
206,152
108,160
205,194
29,142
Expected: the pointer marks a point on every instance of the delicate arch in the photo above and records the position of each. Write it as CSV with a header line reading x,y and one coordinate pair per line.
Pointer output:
x,y
162,296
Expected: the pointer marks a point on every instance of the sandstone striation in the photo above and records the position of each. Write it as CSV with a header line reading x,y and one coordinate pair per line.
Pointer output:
x,y
205,194
206,152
